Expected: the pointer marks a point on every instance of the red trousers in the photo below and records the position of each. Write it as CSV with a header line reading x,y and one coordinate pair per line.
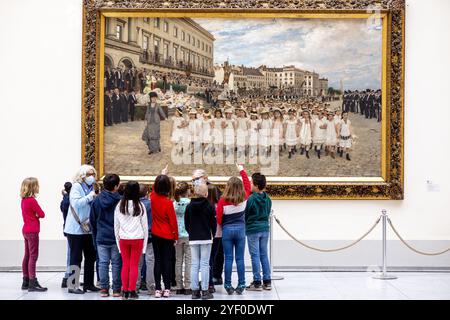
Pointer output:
x,y
31,255
131,251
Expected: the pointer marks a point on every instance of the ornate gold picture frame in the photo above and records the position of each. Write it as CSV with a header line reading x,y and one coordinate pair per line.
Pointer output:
x,y
389,185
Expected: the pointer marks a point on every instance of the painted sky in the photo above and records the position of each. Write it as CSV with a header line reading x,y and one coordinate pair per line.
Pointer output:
x,y
347,50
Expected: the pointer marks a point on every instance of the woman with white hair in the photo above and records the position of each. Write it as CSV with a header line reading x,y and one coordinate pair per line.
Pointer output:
x,y
78,228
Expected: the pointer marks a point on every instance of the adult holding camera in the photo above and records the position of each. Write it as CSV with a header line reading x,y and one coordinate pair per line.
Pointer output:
x,y
78,229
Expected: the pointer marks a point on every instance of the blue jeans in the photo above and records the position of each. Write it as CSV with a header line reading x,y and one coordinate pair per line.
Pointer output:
x,y
257,246
67,274
200,254
107,254
233,239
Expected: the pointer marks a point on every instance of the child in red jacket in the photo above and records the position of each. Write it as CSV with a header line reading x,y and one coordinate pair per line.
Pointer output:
x,y
164,233
31,213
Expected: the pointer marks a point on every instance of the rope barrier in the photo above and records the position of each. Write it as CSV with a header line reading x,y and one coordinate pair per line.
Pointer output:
x,y
413,249
327,250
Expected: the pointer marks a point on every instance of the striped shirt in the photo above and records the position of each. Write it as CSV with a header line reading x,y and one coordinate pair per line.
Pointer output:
x,y
230,214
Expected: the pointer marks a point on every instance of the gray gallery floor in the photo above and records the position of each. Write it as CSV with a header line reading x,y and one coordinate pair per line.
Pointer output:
x,y
296,285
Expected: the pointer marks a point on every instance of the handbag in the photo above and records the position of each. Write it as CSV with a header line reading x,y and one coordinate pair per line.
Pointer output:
x,y
85,225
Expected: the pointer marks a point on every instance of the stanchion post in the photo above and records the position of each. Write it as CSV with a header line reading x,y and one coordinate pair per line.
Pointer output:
x,y
384,275
271,224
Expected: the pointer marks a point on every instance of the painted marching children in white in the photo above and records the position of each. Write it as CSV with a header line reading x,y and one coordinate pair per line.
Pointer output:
x,y
217,131
228,126
178,131
277,130
265,129
331,136
345,136
319,133
194,131
253,133
305,133
241,132
207,128
291,128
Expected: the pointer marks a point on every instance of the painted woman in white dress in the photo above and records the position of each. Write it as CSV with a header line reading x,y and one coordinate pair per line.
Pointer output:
x,y
241,133
345,136
217,133
228,126
265,129
178,131
331,137
319,133
207,128
194,131
253,133
305,133
291,129
277,130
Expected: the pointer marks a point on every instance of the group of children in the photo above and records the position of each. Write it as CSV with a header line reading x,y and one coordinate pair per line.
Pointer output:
x,y
177,224
252,130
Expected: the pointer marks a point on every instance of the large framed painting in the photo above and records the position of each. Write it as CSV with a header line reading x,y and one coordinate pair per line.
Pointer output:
x,y
310,93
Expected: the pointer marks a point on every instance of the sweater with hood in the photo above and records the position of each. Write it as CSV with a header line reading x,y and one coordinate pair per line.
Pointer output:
x,y
102,217
257,212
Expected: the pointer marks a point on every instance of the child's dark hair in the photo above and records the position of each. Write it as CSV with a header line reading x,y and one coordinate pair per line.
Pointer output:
x,y
259,180
143,190
162,185
67,187
213,194
121,189
110,181
131,193
181,190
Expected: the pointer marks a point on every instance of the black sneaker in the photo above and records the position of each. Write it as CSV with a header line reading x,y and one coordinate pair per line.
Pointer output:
x,y
196,294
267,285
143,286
64,283
255,286
125,295
133,295
211,289
217,281
229,289
207,295
76,291
187,292
91,289
240,289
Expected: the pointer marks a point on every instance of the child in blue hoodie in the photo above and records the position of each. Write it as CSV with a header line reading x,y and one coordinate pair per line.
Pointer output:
x,y
102,223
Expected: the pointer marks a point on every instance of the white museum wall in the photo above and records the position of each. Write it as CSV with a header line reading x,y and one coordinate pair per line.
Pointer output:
x,y
40,62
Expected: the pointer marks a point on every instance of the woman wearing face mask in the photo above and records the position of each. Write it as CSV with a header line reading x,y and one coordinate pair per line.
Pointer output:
x,y
78,231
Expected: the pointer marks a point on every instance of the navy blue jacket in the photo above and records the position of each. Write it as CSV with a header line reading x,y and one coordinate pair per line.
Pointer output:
x,y
102,217
64,206
146,202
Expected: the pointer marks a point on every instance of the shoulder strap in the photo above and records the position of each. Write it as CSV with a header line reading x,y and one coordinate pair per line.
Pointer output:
x,y
75,215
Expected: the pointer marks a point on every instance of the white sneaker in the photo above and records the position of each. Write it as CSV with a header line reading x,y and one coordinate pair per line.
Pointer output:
x,y
158,293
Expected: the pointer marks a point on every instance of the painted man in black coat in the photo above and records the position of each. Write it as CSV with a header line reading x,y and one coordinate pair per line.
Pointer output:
x,y
124,106
116,104
108,109
132,100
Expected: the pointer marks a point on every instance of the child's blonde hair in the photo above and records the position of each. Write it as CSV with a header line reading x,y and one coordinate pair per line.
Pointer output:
x,y
29,188
234,191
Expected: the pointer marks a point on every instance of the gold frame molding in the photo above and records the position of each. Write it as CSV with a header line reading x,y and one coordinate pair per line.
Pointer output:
x,y
392,12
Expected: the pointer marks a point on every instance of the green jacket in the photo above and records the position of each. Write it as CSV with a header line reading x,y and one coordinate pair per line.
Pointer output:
x,y
257,213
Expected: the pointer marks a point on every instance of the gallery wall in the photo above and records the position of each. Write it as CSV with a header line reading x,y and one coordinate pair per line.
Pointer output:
x,y
40,85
